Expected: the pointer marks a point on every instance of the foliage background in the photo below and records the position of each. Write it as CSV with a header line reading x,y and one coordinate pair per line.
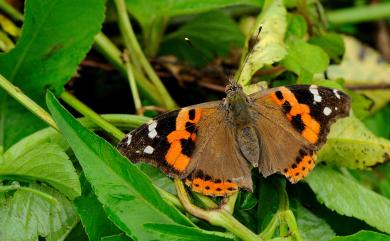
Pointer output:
x,y
119,58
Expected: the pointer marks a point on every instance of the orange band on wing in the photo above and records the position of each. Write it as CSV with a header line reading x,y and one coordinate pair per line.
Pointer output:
x,y
300,168
212,188
284,97
185,119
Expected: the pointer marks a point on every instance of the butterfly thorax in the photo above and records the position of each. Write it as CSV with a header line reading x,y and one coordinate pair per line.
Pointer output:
x,y
238,108
237,105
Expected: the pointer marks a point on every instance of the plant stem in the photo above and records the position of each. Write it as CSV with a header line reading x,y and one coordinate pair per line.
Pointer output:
x,y
130,37
90,114
271,227
23,99
217,217
132,83
230,203
119,120
360,14
11,11
112,53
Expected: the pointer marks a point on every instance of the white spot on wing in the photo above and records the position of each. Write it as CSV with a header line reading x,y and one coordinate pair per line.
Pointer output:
x,y
128,141
152,129
314,90
148,150
152,125
327,111
152,134
336,93
336,108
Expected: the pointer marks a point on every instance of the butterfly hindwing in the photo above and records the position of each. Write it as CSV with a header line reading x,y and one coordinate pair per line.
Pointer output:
x,y
293,123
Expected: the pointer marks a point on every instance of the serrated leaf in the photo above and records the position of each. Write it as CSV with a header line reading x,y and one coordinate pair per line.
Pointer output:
x,y
312,227
211,34
41,157
363,236
351,144
182,233
270,48
25,216
56,36
304,59
128,196
347,197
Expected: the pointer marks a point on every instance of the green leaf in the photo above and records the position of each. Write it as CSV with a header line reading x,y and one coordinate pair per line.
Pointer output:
x,y
41,157
154,15
296,25
146,13
351,144
158,178
92,215
304,59
211,34
128,196
363,69
25,216
332,44
270,48
363,236
312,227
379,123
182,233
55,38
118,237
347,197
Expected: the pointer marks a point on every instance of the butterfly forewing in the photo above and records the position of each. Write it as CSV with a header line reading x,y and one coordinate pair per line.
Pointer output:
x,y
294,122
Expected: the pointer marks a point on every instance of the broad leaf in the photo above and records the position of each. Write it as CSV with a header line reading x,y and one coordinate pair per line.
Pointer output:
x,y
312,227
363,68
331,43
93,218
41,157
347,197
55,38
118,237
182,233
363,236
304,59
351,144
211,34
128,195
25,215
270,48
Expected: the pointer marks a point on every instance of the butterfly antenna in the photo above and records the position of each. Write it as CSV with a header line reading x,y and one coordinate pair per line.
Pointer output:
x,y
188,41
251,46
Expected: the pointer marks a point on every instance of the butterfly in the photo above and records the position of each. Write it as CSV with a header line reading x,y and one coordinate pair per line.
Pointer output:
x,y
213,146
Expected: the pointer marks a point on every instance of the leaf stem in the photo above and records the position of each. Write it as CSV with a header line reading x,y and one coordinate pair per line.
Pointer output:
x,y
23,99
90,114
360,14
112,53
217,217
130,38
132,83
11,11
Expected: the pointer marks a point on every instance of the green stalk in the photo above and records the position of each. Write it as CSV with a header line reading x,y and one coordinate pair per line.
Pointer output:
x,y
131,40
217,217
11,11
23,99
112,53
132,83
360,14
90,114
122,121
